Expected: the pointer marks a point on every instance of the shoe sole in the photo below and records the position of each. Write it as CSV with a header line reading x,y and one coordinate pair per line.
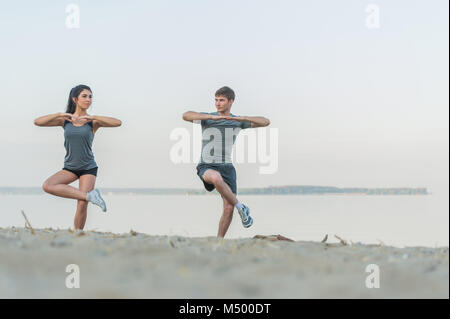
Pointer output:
x,y
251,220
100,196
251,223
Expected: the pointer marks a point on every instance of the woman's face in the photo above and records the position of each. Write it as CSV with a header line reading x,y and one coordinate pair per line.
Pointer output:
x,y
84,100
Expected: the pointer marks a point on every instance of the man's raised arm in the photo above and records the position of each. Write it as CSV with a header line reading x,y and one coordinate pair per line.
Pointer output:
x,y
191,116
256,121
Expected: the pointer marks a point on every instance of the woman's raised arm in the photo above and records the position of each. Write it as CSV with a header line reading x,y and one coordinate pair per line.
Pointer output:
x,y
56,119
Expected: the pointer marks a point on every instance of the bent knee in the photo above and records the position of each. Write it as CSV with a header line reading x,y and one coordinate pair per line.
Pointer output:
x,y
47,187
216,178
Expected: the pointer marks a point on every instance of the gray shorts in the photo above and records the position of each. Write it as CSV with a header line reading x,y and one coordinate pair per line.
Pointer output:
x,y
227,171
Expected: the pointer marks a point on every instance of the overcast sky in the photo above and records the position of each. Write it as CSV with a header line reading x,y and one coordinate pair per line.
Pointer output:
x,y
354,105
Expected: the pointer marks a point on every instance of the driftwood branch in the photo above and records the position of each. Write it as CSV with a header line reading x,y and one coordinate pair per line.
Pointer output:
x,y
273,237
27,222
343,242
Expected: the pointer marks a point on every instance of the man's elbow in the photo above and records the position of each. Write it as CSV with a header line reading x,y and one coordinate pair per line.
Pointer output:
x,y
267,122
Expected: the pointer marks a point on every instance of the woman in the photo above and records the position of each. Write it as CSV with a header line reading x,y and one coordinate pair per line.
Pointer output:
x,y
79,163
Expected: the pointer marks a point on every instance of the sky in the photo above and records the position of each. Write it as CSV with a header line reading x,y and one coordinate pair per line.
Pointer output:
x,y
353,105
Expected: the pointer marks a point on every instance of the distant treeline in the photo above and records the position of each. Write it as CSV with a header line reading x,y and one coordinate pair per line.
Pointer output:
x,y
308,190
272,190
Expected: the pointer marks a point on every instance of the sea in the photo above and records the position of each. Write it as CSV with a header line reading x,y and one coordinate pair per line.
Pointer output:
x,y
391,220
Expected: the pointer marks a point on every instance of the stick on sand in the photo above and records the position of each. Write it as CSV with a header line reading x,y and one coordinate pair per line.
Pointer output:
x,y
343,242
27,222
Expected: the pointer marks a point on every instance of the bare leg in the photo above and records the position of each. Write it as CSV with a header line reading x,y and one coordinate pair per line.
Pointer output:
x,y
87,183
214,177
226,218
57,185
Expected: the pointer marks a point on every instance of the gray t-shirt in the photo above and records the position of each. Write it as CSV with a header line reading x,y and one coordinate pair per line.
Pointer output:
x,y
218,138
78,143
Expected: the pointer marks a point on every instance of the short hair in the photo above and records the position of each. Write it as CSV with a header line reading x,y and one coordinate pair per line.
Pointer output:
x,y
227,92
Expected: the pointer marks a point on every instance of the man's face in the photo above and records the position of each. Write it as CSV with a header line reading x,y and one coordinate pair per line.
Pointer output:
x,y
223,104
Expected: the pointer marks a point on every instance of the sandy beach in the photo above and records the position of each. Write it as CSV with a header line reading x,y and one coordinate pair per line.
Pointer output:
x,y
135,265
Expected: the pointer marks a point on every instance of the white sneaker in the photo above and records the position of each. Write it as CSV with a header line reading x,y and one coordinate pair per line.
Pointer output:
x,y
246,219
95,198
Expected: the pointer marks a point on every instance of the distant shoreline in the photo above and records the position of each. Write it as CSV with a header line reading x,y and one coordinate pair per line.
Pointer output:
x,y
271,190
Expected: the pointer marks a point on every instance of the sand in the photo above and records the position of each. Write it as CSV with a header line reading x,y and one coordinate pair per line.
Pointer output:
x,y
135,265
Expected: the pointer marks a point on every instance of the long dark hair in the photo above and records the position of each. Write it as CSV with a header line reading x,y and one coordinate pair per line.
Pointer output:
x,y
75,92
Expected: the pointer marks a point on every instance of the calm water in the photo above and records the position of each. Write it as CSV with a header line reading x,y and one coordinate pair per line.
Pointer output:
x,y
394,220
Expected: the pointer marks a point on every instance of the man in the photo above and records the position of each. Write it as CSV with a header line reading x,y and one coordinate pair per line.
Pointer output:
x,y
215,169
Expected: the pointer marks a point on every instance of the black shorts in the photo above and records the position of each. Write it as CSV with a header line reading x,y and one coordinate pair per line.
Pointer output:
x,y
92,171
227,171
